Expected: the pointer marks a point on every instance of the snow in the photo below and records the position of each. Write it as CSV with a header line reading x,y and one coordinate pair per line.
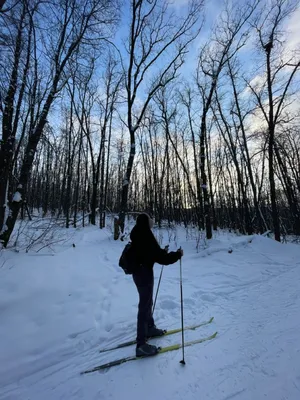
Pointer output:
x,y
4,228
6,210
59,306
17,197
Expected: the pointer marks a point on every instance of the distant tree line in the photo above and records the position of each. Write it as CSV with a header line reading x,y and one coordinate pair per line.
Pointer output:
x,y
95,121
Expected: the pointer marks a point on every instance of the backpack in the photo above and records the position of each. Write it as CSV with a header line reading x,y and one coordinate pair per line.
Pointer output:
x,y
128,260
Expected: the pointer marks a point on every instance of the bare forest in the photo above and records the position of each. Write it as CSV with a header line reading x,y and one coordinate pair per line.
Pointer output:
x,y
115,107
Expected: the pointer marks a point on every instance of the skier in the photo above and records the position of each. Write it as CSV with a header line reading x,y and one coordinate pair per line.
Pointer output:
x,y
147,252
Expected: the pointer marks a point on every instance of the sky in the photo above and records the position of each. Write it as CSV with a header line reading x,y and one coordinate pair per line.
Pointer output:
x,y
212,10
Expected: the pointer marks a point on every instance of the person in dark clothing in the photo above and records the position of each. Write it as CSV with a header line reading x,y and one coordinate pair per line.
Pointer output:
x,y
147,252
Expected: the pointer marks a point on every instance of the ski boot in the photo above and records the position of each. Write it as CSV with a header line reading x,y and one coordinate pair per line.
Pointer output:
x,y
153,331
146,350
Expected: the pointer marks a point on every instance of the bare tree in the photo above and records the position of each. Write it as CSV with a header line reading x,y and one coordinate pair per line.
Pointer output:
x,y
238,110
230,35
196,150
272,95
168,113
10,114
187,100
86,21
232,145
8,7
157,43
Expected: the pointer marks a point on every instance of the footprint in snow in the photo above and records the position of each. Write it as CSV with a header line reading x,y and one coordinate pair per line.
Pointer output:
x,y
168,304
76,334
189,302
209,297
205,296
108,327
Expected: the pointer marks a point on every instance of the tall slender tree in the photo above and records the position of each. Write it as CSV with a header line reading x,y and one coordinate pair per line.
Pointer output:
x,y
157,43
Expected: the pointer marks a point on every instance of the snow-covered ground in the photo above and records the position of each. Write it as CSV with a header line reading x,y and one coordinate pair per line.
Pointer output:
x,y
58,307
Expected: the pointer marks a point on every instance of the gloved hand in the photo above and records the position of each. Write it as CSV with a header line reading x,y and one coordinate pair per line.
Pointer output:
x,y
180,251
166,248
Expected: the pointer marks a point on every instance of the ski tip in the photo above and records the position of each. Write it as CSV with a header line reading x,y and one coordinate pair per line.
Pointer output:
x,y
85,372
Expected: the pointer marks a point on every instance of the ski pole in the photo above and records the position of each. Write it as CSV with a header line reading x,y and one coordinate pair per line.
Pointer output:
x,y
182,326
162,268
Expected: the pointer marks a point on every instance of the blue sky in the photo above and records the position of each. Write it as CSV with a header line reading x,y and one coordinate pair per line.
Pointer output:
x,y
248,56
212,10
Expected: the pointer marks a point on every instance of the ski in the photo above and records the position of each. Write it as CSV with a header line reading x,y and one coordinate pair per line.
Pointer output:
x,y
161,351
170,332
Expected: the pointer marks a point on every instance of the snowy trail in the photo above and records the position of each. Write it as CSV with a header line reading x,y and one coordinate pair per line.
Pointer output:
x,y
57,313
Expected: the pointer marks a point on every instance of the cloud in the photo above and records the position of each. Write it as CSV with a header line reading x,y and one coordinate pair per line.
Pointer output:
x,y
257,83
179,2
292,45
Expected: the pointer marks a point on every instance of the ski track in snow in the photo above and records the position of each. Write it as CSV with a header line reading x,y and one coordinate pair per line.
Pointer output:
x,y
57,312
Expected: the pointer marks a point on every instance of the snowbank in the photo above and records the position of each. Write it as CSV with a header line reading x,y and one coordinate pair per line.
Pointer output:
x,y
57,309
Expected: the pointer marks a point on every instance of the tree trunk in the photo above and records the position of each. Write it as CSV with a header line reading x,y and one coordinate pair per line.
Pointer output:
x,y
204,177
261,222
271,142
125,188
27,165
8,136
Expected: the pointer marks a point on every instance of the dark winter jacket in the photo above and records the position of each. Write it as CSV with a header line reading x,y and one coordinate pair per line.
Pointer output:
x,y
146,248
